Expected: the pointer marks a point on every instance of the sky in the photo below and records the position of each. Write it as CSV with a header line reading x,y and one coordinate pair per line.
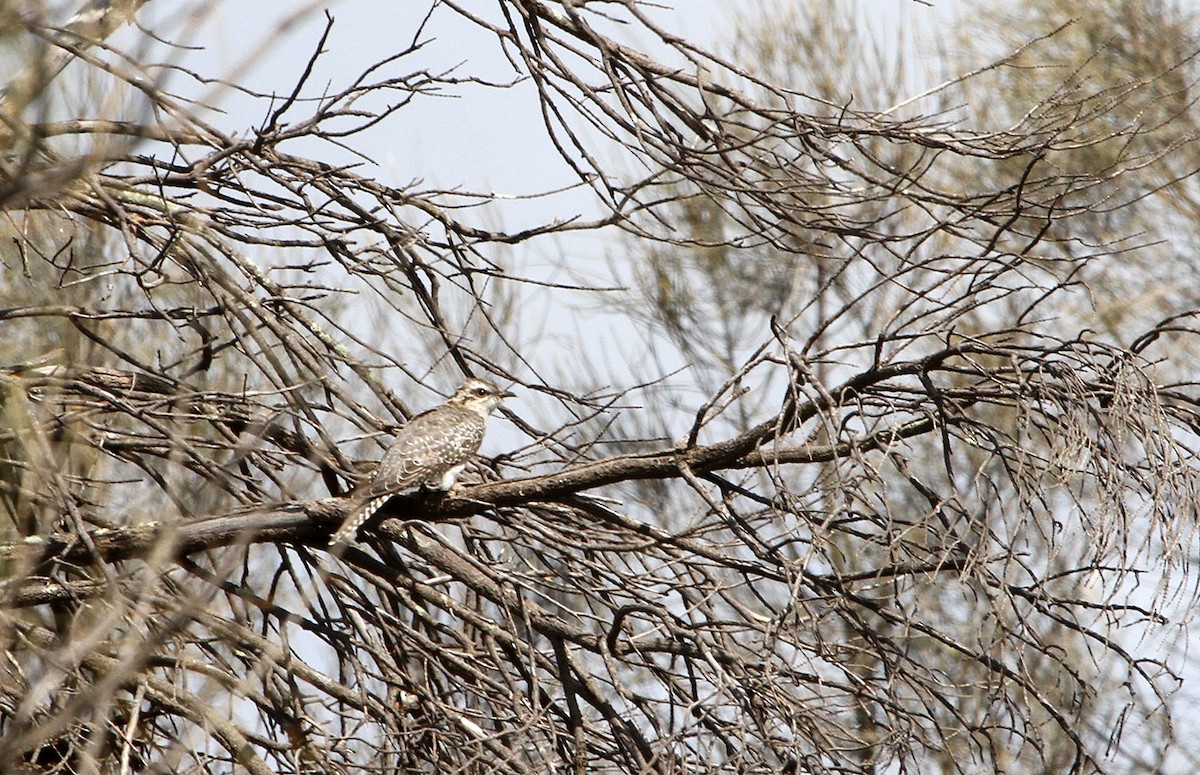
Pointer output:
x,y
476,139
489,140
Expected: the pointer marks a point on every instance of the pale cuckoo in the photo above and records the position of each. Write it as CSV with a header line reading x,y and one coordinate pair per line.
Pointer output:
x,y
429,451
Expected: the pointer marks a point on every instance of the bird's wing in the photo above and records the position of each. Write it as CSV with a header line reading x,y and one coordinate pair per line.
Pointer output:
x,y
427,445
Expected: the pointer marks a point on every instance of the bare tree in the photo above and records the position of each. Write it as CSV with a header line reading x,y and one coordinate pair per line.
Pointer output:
x,y
905,509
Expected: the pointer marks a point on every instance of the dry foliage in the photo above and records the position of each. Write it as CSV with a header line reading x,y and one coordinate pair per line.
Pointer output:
x,y
913,505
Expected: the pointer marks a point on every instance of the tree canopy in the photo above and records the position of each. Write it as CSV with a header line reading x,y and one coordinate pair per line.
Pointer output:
x,y
856,415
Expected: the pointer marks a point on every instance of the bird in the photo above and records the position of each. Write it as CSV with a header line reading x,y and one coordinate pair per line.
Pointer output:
x,y
429,451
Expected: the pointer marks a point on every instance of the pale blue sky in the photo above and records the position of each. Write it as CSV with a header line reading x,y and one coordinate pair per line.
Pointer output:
x,y
489,140
474,139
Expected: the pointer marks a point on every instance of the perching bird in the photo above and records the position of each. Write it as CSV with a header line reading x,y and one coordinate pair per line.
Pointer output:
x,y
429,451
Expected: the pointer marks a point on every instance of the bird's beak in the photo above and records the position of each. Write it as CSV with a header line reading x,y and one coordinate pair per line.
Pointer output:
x,y
508,394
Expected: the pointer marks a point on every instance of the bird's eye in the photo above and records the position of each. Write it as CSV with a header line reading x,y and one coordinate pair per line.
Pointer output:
x,y
481,391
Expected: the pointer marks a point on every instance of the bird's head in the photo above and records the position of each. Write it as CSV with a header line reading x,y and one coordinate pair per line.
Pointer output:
x,y
479,395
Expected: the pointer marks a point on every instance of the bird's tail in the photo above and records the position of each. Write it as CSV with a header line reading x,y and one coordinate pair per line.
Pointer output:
x,y
345,534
